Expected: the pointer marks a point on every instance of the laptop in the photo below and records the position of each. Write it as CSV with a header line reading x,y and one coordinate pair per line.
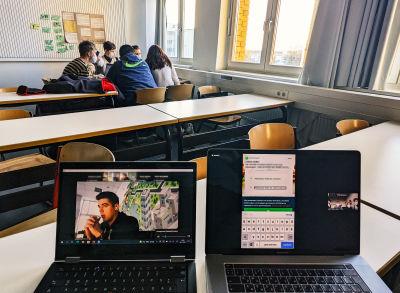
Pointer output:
x,y
124,227
285,221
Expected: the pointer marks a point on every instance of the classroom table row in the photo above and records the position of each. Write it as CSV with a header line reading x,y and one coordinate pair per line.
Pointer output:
x,y
38,131
26,256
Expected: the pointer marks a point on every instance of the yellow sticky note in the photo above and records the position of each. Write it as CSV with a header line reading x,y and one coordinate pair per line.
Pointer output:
x,y
69,26
35,26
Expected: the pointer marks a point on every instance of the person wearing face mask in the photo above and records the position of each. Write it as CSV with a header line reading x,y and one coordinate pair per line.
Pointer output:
x,y
107,58
80,65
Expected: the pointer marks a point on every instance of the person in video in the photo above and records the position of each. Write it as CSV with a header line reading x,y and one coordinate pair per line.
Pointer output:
x,y
115,225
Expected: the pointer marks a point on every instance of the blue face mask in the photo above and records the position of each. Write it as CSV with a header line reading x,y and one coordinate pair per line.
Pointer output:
x,y
93,59
101,62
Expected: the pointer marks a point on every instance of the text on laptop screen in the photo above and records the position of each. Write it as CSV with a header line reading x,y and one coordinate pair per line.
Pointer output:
x,y
268,201
127,206
286,202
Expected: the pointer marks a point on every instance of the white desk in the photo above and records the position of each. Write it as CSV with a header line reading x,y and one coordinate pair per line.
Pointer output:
x,y
380,162
35,131
195,109
25,257
12,99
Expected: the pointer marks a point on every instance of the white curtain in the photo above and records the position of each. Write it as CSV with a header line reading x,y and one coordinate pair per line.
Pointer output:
x,y
161,26
346,39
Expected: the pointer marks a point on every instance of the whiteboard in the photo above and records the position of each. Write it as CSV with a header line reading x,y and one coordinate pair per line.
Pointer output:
x,y
19,42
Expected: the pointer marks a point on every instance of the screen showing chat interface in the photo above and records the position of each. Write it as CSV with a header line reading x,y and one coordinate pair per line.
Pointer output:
x,y
268,201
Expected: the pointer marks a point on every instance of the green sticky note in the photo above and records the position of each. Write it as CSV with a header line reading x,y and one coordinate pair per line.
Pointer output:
x,y
55,17
48,42
56,24
46,30
59,37
45,16
58,30
71,47
60,44
49,48
61,50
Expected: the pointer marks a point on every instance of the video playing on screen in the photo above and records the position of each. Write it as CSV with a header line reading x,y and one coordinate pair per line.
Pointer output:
x,y
121,205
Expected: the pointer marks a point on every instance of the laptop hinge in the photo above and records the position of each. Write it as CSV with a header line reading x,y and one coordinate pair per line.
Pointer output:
x,y
177,258
72,259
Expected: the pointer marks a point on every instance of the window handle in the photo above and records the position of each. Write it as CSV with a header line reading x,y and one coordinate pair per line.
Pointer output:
x,y
267,25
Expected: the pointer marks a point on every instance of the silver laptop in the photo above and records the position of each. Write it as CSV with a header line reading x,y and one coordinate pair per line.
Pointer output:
x,y
124,227
285,221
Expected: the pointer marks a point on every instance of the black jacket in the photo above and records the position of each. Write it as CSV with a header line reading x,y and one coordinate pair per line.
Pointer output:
x,y
124,227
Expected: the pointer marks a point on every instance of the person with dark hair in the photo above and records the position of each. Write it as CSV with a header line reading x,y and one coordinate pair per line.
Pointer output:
x,y
107,58
136,51
115,225
130,73
161,67
80,65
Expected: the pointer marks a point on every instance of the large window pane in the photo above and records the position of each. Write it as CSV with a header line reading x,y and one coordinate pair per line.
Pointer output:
x,y
172,11
249,31
188,27
292,32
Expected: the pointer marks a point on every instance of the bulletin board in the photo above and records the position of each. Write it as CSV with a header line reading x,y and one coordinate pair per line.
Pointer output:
x,y
48,30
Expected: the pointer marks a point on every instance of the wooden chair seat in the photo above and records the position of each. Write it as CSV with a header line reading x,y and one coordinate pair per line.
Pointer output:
x,y
23,162
150,96
8,89
350,125
272,136
180,92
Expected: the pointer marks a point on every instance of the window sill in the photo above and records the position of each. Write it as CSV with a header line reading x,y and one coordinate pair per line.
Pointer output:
x,y
293,80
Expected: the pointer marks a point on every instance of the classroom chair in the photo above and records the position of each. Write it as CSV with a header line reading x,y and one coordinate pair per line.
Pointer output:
x,y
150,96
8,90
201,167
350,125
272,136
80,152
180,92
227,120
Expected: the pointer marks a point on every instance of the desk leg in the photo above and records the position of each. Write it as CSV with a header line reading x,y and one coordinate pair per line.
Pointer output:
x,y
180,141
284,113
168,138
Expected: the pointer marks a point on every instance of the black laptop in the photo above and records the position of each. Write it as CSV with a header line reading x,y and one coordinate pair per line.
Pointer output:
x,y
124,227
285,221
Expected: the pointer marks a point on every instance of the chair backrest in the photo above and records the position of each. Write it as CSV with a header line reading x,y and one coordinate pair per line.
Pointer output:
x,y
79,152
201,167
208,89
85,152
272,136
180,92
14,114
8,89
351,125
150,96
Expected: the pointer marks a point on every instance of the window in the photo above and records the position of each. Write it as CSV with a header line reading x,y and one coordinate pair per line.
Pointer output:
x,y
180,30
270,36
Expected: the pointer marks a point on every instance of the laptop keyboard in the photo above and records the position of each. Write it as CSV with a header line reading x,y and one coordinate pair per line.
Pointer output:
x,y
118,278
293,278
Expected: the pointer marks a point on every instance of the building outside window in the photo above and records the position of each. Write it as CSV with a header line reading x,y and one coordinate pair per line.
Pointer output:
x,y
270,36
180,16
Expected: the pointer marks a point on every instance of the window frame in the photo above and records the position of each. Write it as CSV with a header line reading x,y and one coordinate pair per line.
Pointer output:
x,y
180,43
270,27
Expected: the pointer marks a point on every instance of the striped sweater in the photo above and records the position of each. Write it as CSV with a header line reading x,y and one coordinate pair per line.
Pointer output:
x,y
78,67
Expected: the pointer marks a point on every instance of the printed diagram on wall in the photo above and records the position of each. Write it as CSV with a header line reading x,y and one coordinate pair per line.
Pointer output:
x,y
79,27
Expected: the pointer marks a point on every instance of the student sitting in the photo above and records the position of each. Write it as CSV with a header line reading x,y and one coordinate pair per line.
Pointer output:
x,y
80,66
130,73
107,58
136,51
161,67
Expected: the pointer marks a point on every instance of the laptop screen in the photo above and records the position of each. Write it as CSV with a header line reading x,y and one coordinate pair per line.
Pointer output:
x,y
122,210
283,202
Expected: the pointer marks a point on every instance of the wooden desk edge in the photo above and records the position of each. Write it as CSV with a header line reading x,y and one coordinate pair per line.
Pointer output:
x,y
79,136
42,98
185,119
388,265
